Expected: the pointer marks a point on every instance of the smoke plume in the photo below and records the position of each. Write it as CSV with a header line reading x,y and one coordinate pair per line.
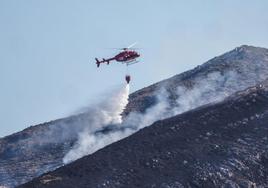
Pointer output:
x,y
209,88
101,115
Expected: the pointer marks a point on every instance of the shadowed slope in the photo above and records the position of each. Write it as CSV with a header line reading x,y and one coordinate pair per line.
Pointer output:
x,y
223,144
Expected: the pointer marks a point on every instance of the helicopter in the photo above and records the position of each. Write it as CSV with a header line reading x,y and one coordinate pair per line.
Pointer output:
x,y
126,56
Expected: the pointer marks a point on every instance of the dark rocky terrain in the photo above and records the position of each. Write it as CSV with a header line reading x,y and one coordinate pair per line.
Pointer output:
x,y
217,145
39,149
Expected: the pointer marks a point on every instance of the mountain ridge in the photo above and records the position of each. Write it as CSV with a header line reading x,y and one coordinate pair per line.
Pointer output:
x,y
217,145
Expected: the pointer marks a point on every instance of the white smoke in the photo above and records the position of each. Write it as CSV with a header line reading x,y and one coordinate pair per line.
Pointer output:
x,y
106,113
213,88
158,111
206,89
88,143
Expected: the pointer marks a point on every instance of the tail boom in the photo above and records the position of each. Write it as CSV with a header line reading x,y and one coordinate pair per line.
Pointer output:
x,y
98,62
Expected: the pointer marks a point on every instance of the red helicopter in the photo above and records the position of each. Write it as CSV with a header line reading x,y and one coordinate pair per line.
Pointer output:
x,y
127,55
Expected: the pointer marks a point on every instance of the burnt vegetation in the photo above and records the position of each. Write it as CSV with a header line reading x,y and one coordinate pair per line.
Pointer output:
x,y
223,144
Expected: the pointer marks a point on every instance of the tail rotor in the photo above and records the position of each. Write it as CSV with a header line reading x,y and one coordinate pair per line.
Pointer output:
x,y
97,62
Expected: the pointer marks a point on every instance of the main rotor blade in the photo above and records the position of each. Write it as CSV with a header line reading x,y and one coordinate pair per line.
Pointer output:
x,y
130,46
126,48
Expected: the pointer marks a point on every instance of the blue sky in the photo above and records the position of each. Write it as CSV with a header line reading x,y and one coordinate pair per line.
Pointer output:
x,y
47,48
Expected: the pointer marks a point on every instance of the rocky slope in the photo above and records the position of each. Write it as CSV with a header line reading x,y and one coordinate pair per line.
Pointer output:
x,y
38,149
217,145
235,70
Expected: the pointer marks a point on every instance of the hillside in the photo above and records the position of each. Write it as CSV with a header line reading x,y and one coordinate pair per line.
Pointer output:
x,y
39,149
217,145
